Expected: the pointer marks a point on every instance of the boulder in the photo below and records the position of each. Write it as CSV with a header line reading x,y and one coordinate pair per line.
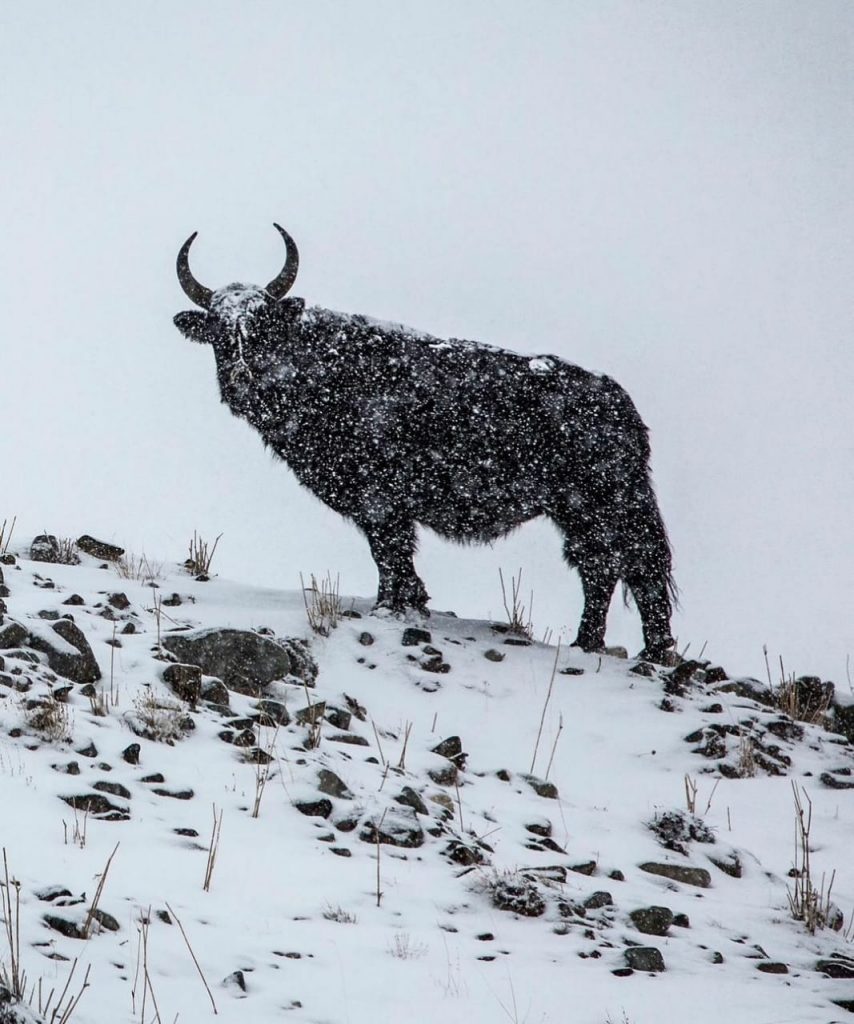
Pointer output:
x,y
245,661
68,651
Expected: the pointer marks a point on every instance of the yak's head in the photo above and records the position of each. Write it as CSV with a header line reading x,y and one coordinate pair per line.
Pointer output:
x,y
240,321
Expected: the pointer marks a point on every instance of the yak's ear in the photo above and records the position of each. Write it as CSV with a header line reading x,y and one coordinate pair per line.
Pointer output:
x,y
193,325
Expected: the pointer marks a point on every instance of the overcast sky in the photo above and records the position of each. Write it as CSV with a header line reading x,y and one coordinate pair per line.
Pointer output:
x,y
660,191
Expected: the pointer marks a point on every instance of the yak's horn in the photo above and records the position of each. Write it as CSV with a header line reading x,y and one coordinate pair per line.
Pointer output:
x,y
282,284
194,291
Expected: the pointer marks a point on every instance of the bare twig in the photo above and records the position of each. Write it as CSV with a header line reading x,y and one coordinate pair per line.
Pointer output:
x,y
98,891
193,955
545,706
213,849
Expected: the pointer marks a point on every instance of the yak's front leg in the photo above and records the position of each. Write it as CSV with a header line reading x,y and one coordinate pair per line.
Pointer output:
x,y
393,548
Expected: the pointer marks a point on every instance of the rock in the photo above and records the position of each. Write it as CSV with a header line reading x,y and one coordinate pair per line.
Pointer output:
x,y
318,808
75,599
13,634
366,639
652,920
98,806
452,749
838,966
131,753
445,776
728,863
119,601
493,655
68,651
105,920
70,929
548,790
395,828
543,827
408,797
330,784
645,669
272,713
347,737
46,548
679,873
517,894
173,601
154,777
597,900
338,718
214,691
175,794
645,958
434,663
833,781
463,854
235,980
587,867
99,548
113,788
185,681
311,715
772,967
414,635
245,661
71,768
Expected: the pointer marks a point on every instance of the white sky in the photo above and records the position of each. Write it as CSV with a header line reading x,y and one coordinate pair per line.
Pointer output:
x,y
661,191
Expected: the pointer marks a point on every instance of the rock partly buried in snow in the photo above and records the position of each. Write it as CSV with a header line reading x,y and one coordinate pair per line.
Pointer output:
x,y
46,548
679,873
652,920
185,681
13,634
517,894
330,784
540,786
68,651
396,828
99,548
645,958
245,661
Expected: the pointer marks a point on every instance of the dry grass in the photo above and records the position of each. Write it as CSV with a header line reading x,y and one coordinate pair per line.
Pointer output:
x,y
138,567
200,556
518,616
160,717
808,903
322,603
51,720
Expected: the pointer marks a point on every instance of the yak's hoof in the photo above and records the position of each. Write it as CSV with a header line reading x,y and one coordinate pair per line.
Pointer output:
x,y
400,611
663,653
589,646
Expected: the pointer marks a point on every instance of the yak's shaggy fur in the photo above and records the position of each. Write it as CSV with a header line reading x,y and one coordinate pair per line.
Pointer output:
x,y
391,427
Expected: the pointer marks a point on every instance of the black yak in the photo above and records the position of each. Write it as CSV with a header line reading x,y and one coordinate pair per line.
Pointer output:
x,y
392,427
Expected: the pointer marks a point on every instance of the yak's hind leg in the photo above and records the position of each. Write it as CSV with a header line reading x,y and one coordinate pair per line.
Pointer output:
x,y
393,548
622,537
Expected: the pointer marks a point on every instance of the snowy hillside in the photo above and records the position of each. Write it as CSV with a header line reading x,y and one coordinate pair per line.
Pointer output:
x,y
403,820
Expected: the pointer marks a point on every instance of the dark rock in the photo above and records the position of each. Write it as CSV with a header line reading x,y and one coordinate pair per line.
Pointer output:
x,y
79,664
597,900
175,794
445,776
645,958
679,873
729,864
317,808
340,851
185,681
330,784
414,635
833,781
452,749
119,601
435,664
13,634
786,729
714,674
674,829
214,691
356,708
312,714
409,798
72,768
750,689
90,750
98,806
113,788
543,827
46,548
105,920
49,614
643,668
587,867
772,967
191,832
714,709
245,661
366,639
837,966
99,548
464,854
492,655
681,921
235,980
338,718
131,753
70,929
154,777
173,601
571,670
652,920
128,628
396,828
348,737
75,599
272,713
548,790
518,895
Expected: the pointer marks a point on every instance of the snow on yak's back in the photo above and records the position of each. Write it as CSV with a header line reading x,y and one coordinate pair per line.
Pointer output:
x,y
392,427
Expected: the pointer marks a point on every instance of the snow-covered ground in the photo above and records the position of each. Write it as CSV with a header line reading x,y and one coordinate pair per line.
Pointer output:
x,y
292,927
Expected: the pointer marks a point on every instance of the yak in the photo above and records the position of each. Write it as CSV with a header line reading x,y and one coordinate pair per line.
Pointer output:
x,y
392,427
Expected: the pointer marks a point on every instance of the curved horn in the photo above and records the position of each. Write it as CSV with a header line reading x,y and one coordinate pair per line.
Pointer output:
x,y
283,282
194,291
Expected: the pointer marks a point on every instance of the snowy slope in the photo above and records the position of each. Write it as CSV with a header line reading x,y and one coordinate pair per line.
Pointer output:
x,y
291,927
